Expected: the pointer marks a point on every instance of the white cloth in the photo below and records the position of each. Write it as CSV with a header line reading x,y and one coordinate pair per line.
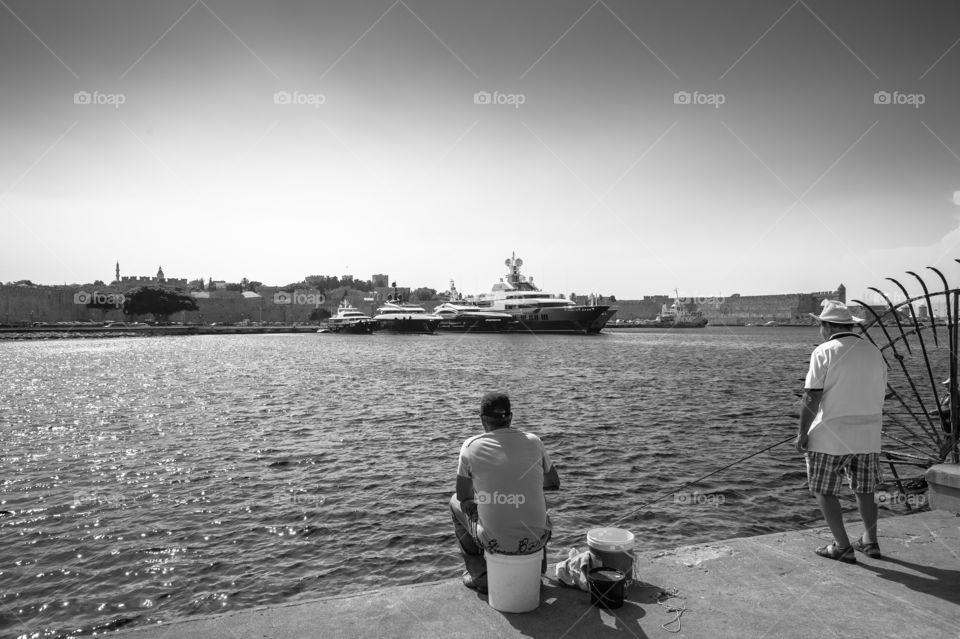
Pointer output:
x,y
852,374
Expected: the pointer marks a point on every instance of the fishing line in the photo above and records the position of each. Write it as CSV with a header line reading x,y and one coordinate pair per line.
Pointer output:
x,y
698,480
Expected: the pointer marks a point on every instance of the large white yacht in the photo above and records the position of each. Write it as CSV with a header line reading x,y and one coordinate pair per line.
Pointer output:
x,y
467,317
535,311
349,320
398,317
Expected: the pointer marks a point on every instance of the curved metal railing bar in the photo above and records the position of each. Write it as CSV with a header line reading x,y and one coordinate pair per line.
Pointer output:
x,y
923,346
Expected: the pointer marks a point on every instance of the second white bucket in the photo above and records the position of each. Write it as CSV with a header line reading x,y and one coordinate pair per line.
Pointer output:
x,y
513,581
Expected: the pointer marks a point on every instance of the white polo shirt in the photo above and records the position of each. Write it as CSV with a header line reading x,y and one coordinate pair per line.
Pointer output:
x,y
853,376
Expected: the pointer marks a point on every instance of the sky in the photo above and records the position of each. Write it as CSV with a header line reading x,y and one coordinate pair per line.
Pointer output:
x,y
618,147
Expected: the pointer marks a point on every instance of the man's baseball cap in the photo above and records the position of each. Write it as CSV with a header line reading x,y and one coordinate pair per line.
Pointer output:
x,y
835,313
496,405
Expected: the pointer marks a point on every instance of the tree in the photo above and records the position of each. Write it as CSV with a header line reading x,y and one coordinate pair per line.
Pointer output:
x,y
234,287
423,294
613,299
318,314
157,301
254,286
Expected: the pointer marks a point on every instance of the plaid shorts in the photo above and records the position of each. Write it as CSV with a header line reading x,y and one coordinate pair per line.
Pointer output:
x,y
825,472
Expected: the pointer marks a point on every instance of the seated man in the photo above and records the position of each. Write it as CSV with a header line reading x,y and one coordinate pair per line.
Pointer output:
x,y
499,505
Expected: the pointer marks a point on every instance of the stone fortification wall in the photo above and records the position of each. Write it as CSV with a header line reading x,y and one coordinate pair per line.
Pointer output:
x,y
24,305
790,308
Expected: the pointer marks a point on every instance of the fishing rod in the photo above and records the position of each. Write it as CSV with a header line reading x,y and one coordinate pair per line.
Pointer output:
x,y
695,481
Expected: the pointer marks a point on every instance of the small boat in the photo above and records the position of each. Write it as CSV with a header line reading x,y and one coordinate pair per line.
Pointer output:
x,y
466,317
397,317
349,320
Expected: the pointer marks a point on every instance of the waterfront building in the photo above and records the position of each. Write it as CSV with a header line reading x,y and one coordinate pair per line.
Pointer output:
x,y
145,280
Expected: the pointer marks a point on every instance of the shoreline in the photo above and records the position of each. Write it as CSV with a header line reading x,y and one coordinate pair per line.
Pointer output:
x,y
68,332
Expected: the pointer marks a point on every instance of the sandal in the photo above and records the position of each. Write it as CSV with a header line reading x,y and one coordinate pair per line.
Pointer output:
x,y
870,550
479,584
832,551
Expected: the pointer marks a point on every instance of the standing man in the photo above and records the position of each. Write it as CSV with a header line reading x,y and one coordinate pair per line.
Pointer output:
x,y
840,424
499,505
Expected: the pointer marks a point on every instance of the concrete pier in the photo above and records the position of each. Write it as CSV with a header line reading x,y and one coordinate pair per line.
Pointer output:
x,y
766,586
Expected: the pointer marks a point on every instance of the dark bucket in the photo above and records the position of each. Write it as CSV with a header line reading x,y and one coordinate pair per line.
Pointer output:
x,y
606,587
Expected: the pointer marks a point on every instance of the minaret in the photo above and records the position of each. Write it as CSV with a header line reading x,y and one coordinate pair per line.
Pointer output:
x,y
118,271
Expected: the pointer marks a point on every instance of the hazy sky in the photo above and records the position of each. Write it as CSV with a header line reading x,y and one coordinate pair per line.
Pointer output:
x,y
272,140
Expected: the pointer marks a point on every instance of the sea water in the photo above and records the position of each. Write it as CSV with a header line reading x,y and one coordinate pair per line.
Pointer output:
x,y
150,479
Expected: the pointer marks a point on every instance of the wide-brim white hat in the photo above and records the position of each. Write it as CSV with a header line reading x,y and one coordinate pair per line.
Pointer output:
x,y
836,313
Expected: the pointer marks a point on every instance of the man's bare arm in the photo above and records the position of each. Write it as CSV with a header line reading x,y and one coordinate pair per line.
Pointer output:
x,y
551,480
809,407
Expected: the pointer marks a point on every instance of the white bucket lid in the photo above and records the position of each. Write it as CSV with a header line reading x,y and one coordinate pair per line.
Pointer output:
x,y
610,539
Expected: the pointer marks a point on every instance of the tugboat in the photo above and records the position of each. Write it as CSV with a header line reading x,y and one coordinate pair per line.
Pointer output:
x,y
675,316
535,311
397,317
349,320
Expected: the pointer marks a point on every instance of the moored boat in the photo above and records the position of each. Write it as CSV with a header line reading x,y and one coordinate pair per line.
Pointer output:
x,y
349,320
675,316
397,317
535,311
467,317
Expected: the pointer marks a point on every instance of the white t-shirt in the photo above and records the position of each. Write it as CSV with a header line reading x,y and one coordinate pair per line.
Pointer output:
x,y
506,466
853,376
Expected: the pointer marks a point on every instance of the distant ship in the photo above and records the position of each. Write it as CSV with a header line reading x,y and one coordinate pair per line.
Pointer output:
x,y
349,320
675,316
535,311
405,318
467,317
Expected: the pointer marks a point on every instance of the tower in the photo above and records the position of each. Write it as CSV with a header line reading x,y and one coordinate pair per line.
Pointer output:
x,y
117,272
160,276
842,293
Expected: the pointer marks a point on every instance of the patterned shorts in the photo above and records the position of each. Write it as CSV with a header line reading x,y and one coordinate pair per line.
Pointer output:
x,y
825,472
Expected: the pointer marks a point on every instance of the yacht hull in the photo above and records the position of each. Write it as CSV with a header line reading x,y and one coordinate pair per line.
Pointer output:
x,y
466,324
583,320
407,325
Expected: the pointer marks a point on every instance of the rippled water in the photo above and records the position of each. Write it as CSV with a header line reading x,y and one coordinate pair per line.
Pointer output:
x,y
152,479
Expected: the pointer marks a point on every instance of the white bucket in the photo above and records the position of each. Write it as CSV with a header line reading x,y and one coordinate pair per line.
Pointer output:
x,y
513,581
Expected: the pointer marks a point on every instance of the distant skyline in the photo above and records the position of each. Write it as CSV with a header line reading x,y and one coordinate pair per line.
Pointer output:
x,y
619,147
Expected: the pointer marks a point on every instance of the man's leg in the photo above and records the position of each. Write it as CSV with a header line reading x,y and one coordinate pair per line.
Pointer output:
x,y
823,477
833,513
868,512
472,553
864,480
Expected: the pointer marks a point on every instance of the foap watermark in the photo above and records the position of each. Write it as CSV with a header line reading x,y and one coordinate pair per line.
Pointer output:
x,y
98,499
99,299
713,300
699,99
303,500
501,499
299,298
887,498
698,499
901,99
86,98
499,99
296,98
